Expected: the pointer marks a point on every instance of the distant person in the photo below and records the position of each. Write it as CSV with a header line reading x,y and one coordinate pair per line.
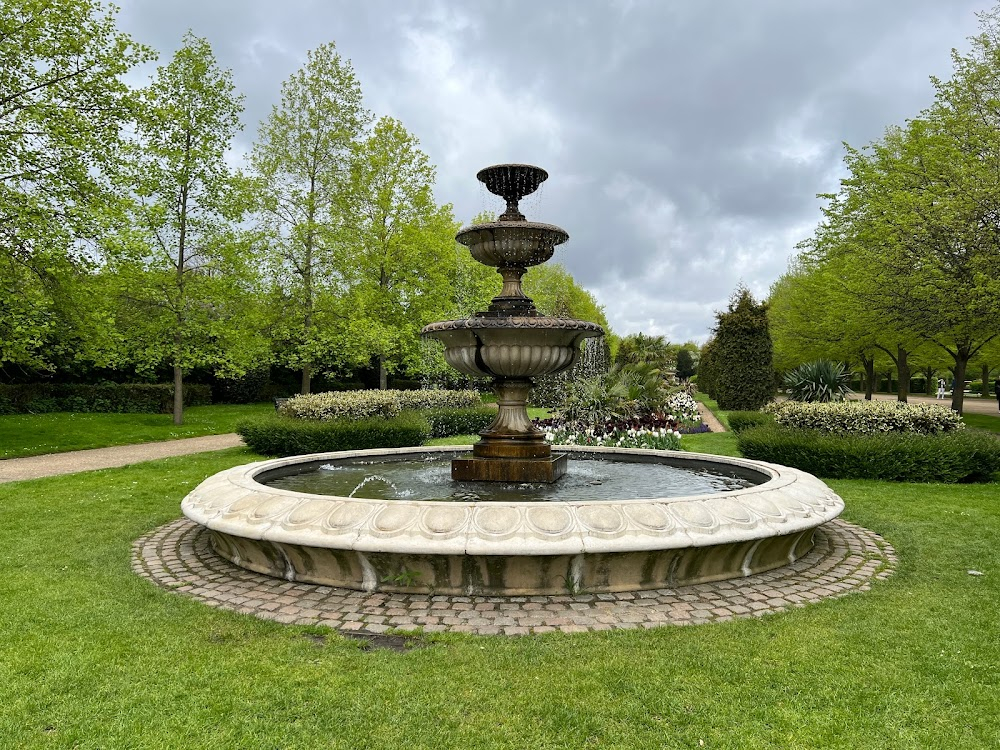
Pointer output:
x,y
940,390
996,391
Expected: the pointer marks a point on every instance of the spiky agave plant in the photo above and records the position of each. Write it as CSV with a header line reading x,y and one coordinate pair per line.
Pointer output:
x,y
818,381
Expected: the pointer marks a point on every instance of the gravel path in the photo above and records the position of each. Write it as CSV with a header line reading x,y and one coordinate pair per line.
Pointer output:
x,y
710,419
52,464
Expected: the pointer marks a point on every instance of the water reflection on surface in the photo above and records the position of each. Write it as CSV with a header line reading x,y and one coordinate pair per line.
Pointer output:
x,y
430,479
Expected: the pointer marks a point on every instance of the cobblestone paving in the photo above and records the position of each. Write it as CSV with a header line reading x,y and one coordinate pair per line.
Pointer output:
x,y
177,556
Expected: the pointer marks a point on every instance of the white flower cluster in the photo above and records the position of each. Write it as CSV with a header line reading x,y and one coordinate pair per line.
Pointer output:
x,y
374,403
866,417
655,439
683,406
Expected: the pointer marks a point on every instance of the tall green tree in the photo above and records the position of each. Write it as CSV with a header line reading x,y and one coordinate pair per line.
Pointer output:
x,y
62,106
183,267
401,249
742,354
302,161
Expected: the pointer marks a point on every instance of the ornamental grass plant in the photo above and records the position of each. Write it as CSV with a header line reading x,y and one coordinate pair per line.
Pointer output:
x,y
821,381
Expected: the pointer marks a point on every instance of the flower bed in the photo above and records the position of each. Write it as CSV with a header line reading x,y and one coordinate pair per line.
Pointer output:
x,y
650,432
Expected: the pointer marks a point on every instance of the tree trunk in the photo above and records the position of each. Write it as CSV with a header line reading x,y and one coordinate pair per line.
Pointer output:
x,y
903,387
986,381
958,393
178,395
306,379
929,380
383,375
869,363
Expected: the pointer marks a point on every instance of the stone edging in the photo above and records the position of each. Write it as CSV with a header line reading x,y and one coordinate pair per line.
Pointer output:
x,y
177,556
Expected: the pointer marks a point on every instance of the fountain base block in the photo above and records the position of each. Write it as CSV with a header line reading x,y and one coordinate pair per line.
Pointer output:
x,y
476,469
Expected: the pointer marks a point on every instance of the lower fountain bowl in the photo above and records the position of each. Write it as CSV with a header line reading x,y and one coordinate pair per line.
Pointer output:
x,y
512,548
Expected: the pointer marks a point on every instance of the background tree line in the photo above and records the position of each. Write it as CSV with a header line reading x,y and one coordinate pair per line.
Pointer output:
x,y
903,273
130,248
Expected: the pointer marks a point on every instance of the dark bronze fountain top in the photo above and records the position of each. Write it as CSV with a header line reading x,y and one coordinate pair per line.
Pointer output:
x,y
512,182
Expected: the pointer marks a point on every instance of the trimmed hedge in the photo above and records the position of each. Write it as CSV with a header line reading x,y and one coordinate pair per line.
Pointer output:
x,y
374,403
448,422
744,420
277,435
118,398
866,416
957,456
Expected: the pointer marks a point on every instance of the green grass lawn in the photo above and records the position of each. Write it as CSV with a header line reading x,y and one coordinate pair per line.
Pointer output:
x,y
35,434
92,656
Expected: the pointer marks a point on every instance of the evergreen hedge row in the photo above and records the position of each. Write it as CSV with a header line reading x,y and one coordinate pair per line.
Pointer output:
x,y
118,398
958,456
744,420
277,435
448,422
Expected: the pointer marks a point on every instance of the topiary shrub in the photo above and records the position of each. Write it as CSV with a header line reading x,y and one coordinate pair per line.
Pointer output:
x,y
277,435
741,358
957,456
449,422
439,399
820,381
866,417
745,420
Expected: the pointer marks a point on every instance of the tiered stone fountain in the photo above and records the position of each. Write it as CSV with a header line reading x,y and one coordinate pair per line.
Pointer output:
x,y
511,342
497,538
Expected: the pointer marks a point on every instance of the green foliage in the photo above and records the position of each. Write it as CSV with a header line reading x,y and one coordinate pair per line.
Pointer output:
x,y
742,372
593,361
866,417
300,162
278,435
745,420
375,403
818,381
63,107
640,349
248,388
181,269
40,398
686,366
446,422
958,456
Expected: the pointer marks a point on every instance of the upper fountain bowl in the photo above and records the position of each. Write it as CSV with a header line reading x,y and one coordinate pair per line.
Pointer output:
x,y
505,243
512,180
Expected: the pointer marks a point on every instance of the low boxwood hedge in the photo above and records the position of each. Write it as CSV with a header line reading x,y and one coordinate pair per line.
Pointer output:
x,y
277,435
956,456
118,398
448,422
744,420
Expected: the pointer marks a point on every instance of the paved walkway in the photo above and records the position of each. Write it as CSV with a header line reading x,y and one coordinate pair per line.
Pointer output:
x,y
52,464
178,557
713,423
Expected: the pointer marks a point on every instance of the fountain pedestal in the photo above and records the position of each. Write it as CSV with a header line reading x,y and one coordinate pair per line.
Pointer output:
x,y
511,342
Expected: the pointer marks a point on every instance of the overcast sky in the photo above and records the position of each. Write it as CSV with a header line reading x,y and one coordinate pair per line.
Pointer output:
x,y
685,140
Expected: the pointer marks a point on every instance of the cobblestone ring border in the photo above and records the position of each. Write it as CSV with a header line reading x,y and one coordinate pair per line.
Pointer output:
x,y
177,556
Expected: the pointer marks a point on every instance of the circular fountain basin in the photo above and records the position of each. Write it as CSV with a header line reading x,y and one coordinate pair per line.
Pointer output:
x,y
512,547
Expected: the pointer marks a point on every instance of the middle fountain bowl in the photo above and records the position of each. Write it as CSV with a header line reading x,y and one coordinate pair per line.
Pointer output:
x,y
511,342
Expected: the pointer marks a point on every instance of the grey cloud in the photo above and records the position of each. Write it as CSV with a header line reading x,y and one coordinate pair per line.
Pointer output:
x,y
685,141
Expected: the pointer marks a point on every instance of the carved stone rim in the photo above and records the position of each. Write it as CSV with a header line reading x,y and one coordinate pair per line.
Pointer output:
x,y
557,234
557,324
233,502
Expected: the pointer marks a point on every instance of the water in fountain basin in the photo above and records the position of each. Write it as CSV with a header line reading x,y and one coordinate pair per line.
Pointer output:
x,y
430,479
